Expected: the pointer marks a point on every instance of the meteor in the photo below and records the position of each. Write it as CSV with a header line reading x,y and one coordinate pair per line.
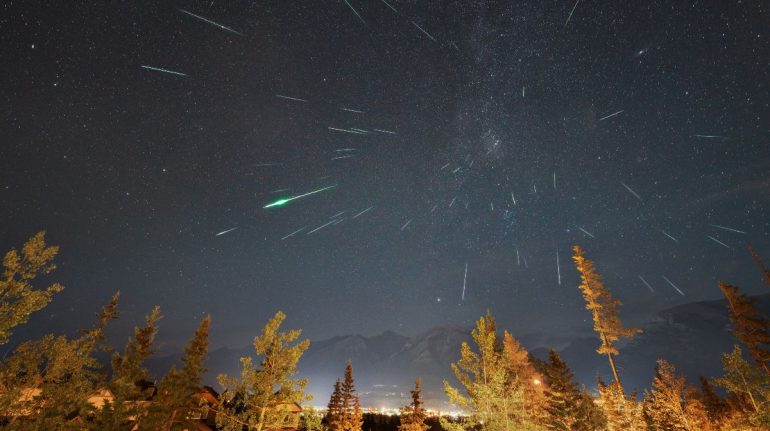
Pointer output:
x,y
282,202
223,27
226,231
159,69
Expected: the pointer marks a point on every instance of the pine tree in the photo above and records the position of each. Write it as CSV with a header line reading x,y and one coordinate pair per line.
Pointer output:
x,y
715,406
18,298
749,327
523,376
129,377
257,401
334,408
667,405
413,415
494,398
567,407
64,371
604,310
175,400
761,265
620,413
351,417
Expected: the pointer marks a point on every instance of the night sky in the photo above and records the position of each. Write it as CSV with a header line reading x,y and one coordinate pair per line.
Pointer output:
x,y
489,134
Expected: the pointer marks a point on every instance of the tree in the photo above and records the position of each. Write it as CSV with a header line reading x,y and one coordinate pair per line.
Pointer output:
x,y
51,379
567,407
334,408
604,310
413,415
350,418
257,401
311,420
716,407
175,399
18,298
749,327
670,405
494,398
523,376
129,379
621,413
750,387
761,265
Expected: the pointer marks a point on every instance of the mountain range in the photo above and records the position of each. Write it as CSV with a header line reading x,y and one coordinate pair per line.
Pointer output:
x,y
691,336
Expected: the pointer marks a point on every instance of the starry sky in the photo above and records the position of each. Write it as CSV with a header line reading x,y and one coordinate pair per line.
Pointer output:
x,y
147,138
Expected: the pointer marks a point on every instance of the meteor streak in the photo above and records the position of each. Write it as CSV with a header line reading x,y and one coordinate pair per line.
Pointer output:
x,y
672,238
281,96
223,27
294,233
226,231
426,33
631,191
586,232
354,11
647,284
717,241
363,212
282,202
465,280
611,115
727,228
672,285
159,69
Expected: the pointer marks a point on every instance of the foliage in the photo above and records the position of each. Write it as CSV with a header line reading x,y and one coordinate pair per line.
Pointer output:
x,y
603,308
129,377
413,415
670,405
344,412
750,388
260,398
495,396
311,420
48,381
175,399
18,298
749,327
567,407
620,412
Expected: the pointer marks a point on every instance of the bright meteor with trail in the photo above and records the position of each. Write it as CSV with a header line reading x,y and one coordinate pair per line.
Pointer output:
x,y
282,202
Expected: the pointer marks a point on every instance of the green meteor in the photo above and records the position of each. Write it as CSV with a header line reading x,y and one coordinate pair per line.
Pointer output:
x,y
281,202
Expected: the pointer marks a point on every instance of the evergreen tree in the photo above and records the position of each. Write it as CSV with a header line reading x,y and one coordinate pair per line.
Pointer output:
x,y
620,413
334,408
667,405
413,415
761,265
257,401
18,298
604,310
716,407
494,398
351,417
749,327
175,400
51,379
567,407
523,376
129,379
